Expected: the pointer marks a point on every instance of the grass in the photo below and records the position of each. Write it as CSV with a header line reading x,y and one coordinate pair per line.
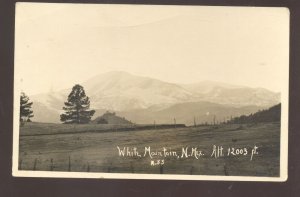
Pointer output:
x,y
96,151
37,128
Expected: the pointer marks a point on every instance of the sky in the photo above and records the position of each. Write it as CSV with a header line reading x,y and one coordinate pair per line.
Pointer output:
x,y
58,45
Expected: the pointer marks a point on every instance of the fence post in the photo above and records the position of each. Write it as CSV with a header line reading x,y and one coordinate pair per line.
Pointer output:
x,y
88,167
175,123
69,167
131,167
225,170
51,165
214,119
109,169
161,169
34,164
192,170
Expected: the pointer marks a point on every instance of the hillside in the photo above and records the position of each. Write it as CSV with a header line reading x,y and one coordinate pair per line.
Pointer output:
x,y
110,118
186,112
272,114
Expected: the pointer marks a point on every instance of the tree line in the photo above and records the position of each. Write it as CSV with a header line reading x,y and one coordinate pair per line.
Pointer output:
x,y
273,114
76,108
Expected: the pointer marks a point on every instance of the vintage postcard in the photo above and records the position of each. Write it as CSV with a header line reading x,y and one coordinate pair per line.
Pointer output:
x,y
151,92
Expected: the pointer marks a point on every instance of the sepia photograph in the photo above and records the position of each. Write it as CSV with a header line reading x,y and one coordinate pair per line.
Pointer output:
x,y
151,92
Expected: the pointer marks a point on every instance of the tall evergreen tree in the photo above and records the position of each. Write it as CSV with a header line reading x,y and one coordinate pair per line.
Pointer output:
x,y
25,108
77,107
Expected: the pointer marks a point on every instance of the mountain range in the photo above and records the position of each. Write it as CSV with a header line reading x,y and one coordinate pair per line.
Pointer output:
x,y
144,99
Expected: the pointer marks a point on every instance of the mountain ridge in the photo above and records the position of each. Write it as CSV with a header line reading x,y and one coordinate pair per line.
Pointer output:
x,y
121,91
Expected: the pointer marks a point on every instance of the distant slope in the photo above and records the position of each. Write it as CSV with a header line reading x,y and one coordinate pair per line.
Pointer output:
x,y
119,91
233,95
43,113
207,86
110,118
124,92
272,114
185,113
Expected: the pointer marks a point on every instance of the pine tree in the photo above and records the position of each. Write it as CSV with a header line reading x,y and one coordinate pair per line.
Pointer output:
x,y
77,107
25,108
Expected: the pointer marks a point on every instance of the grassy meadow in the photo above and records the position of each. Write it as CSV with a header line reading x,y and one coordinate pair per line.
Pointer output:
x,y
93,148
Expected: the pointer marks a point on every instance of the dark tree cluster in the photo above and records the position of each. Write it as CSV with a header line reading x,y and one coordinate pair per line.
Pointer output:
x,y
102,121
25,108
273,114
77,107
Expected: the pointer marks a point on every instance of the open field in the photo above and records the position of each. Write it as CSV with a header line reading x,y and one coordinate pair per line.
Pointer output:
x,y
34,129
93,151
